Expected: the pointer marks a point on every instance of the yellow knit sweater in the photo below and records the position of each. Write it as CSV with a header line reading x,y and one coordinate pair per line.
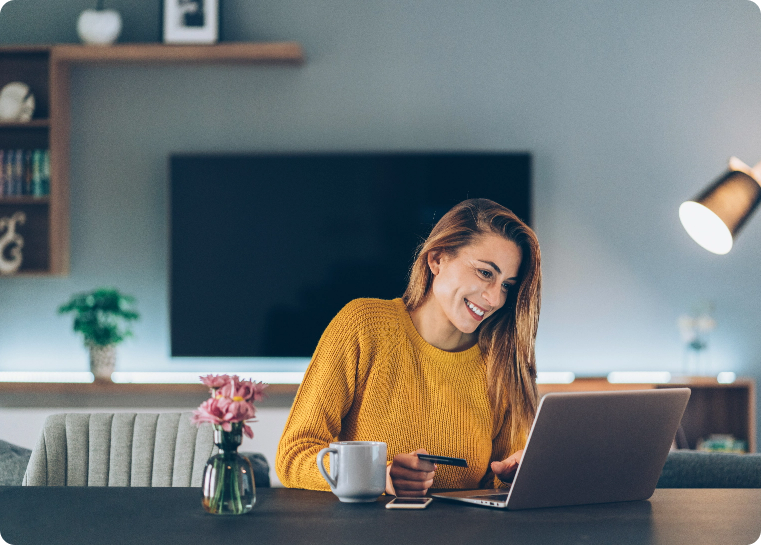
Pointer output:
x,y
374,378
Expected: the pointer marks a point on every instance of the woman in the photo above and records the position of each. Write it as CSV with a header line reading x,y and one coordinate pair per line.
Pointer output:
x,y
448,369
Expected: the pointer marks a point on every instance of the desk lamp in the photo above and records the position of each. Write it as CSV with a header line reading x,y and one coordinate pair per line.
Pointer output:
x,y
714,218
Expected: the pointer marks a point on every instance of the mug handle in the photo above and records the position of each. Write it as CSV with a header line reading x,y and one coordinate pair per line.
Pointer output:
x,y
321,466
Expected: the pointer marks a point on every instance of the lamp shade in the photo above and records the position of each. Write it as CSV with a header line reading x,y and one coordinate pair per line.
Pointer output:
x,y
714,218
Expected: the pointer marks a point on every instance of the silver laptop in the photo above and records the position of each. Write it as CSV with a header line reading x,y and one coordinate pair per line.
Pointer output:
x,y
591,447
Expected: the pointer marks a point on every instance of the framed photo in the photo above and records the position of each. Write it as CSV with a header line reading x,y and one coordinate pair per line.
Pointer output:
x,y
190,21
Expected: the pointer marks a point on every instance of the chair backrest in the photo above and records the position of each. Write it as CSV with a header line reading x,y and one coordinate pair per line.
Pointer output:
x,y
120,449
693,469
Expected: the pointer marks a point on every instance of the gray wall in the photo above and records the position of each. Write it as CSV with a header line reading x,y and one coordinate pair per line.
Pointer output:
x,y
628,107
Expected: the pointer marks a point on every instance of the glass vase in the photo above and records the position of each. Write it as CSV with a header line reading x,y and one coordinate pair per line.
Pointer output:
x,y
228,479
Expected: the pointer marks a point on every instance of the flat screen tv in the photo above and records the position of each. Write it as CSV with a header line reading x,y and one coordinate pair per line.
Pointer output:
x,y
267,248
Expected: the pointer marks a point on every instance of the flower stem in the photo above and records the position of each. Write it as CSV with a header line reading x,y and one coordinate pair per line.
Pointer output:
x,y
218,499
236,505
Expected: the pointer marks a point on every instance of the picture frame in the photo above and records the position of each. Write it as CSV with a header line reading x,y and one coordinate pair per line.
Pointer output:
x,y
190,21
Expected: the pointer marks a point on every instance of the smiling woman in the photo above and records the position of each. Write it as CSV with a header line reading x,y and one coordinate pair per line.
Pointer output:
x,y
470,286
448,368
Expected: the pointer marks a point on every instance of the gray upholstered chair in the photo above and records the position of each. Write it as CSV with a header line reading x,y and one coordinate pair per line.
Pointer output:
x,y
120,449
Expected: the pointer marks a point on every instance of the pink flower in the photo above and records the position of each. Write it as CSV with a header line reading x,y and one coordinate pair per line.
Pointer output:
x,y
209,411
215,381
232,401
257,391
247,389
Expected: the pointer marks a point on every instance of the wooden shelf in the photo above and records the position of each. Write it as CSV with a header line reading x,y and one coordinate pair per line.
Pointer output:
x,y
46,68
39,48
599,384
713,407
33,124
27,394
233,52
25,200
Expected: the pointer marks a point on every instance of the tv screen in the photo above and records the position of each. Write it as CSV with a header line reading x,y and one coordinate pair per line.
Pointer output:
x,y
267,248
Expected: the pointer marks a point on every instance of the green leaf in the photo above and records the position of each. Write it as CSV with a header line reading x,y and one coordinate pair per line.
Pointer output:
x,y
103,316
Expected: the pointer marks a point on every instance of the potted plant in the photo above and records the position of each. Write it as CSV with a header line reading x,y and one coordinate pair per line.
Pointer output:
x,y
103,317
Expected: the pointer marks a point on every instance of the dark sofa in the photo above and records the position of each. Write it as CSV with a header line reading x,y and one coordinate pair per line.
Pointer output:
x,y
692,469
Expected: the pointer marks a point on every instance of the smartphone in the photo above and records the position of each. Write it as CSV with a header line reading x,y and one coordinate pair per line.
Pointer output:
x,y
408,503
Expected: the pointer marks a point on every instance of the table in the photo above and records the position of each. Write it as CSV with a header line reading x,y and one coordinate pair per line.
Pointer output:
x,y
72,516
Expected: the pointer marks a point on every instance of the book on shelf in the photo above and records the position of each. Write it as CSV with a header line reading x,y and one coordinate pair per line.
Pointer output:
x,y
27,173
24,172
18,172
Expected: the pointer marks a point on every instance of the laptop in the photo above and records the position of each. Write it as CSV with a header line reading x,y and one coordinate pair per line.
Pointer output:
x,y
590,447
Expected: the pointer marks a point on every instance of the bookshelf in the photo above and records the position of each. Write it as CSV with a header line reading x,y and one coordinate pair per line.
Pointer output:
x,y
46,68
30,65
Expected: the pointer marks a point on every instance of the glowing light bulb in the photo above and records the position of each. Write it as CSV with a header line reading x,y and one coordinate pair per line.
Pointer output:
x,y
705,227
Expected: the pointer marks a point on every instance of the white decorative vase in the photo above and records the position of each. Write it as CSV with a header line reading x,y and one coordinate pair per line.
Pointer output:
x,y
16,102
102,362
99,27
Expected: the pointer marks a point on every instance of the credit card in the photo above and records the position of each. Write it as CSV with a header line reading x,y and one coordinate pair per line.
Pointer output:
x,y
446,460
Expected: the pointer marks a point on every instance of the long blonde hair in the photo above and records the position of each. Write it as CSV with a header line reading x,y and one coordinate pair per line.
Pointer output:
x,y
506,338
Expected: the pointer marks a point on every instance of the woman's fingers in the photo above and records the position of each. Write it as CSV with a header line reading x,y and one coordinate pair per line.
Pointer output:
x,y
402,473
411,493
507,467
503,468
411,461
410,475
412,488
402,484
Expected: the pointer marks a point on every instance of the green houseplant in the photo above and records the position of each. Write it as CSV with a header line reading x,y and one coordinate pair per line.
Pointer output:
x,y
104,317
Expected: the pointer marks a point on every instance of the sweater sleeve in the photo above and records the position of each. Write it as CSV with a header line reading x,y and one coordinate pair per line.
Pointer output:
x,y
325,396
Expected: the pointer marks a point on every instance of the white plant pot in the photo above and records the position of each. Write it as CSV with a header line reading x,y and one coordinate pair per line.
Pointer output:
x,y
99,27
102,362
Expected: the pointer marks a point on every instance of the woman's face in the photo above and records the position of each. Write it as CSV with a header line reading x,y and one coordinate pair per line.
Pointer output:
x,y
473,285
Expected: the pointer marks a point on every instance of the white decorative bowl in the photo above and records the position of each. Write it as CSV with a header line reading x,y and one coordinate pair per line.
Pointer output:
x,y
101,27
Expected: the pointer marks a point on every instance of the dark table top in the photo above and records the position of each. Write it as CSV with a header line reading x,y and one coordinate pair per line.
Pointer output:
x,y
70,515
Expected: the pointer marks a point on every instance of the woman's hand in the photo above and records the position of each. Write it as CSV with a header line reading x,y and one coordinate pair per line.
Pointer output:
x,y
506,469
408,475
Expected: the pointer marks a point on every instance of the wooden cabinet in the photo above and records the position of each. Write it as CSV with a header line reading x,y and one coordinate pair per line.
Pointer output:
x,y
45,229
713,408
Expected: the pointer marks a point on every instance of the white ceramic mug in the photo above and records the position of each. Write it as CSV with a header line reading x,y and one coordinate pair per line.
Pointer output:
x,y
357,470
